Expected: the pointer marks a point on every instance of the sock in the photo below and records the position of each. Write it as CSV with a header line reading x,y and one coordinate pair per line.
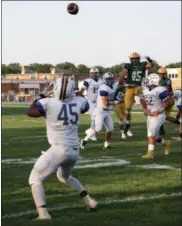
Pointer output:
x,y
75,184
127,126
91,132
83,194
122,131
38,195
151,147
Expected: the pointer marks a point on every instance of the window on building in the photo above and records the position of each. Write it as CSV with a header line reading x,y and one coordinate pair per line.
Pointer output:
x,y
176,75
172,75
26,91
169,76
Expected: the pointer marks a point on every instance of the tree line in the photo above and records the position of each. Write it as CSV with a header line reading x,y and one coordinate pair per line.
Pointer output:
x,y
15,68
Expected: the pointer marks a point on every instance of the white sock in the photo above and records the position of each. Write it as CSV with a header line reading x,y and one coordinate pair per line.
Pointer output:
x,y
38,195
122,131
151,147
75,184
90,133
162,141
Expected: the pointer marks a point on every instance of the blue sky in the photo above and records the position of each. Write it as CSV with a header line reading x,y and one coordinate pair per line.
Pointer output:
x,y
103,33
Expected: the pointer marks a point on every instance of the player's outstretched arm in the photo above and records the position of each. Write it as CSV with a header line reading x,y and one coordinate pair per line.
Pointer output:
x,y
150,63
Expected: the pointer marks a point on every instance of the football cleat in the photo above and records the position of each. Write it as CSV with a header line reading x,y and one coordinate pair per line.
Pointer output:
x,y
90,203
123,136
43,214
148,155
177,138
106,145
129,133
82,144
166,148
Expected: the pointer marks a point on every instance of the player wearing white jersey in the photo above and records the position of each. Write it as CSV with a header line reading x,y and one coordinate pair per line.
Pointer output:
x,y
91,85
61,114
102,114
156,100
178,99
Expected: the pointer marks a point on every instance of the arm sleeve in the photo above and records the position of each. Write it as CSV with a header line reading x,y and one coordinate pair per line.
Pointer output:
x,y
85,84
42,106
85,106
126,66
103,93
163,95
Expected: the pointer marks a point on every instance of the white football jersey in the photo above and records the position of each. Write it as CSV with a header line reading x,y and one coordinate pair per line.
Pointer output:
x,y
91,86
155,98
106,91
62,119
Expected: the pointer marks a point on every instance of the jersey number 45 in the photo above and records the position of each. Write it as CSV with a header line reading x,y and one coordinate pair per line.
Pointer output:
x,y
68,114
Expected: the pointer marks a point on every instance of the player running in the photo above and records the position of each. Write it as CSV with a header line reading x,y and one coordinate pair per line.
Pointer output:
x,y
166,82
178,97
102,114
135,72
62,113
91,85
156,101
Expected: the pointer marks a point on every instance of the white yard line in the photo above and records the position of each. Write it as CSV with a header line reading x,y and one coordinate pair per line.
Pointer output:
x,y
104,202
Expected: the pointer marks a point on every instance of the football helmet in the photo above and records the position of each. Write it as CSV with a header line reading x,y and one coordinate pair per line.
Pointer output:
x,y
63,88
162,70
153,80
108,79
134,58
94,73
178,94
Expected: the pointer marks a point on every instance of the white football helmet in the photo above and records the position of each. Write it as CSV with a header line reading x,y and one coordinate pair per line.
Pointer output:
x,y
153,79
63,88
94,73
178,94
108,78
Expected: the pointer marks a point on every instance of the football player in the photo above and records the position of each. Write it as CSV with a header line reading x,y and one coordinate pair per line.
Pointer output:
x,y
91,85
119,108
166,82
61,114
102,114
178,98
135,72
156,101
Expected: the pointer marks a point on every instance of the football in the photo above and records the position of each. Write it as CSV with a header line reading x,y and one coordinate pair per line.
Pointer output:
x,y
72,8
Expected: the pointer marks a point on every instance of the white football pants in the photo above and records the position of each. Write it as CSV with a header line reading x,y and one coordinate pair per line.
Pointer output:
x,y
92,107
103,118
154,124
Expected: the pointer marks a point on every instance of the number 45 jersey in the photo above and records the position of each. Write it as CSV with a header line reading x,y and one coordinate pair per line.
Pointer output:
x,y
155,98
62,119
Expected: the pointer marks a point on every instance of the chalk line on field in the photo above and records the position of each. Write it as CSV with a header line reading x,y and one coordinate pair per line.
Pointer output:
x,y
104,202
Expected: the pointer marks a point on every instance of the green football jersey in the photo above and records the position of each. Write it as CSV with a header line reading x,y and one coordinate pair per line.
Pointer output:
x,y
167,82
136,72
119,94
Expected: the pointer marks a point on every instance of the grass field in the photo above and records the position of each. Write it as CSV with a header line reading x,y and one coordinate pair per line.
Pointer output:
x,y
140,193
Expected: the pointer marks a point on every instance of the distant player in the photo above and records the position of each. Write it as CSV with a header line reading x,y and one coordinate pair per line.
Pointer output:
x,y
120,107
178,98
102,114
61,114
166,82
91,85
135,72
156,101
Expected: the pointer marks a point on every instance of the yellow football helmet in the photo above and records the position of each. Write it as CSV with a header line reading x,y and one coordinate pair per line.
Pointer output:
x,y
162,70
134,55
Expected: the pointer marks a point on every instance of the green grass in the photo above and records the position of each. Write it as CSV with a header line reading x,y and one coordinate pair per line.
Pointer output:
x,y
24,138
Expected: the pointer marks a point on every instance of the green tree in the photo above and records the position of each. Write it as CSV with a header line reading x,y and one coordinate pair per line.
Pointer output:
x,y
82,69
174,65
14,68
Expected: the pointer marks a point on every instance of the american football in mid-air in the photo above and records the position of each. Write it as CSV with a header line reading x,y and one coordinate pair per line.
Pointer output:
x,y
72,8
